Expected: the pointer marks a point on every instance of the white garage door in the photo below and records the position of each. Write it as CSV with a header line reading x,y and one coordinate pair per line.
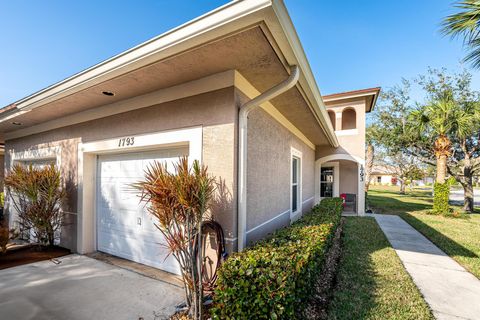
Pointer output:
x,y
124,227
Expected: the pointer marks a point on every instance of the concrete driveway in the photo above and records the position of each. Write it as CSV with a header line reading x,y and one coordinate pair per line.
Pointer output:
x,y
83,288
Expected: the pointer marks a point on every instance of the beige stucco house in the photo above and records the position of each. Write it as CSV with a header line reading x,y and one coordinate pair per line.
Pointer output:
x,y
382,175
233,89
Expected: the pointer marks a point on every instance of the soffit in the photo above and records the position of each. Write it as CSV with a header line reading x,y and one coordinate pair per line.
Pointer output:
x,y
247,51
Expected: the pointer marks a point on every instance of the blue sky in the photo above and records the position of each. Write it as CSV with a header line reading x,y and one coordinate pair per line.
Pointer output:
x,y
350,44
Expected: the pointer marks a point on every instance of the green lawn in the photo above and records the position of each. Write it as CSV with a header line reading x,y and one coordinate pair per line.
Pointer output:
x,y
458,237
372,282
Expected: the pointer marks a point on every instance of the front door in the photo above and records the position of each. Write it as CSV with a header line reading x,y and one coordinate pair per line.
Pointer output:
x,y
326,182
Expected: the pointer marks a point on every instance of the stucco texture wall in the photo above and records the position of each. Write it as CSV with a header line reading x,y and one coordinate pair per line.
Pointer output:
x,y
385,179
353,144
215,111
348,177
2,171
268,177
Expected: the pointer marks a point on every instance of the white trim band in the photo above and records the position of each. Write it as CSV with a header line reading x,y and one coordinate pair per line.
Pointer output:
x,y
268,221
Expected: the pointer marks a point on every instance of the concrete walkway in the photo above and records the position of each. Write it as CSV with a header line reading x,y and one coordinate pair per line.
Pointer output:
x,y
450,291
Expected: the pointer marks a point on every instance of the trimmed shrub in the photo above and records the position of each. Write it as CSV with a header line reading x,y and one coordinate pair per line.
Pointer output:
x,y
441,195
274,278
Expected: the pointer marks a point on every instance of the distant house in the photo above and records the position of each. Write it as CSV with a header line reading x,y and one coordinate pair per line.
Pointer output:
x,y
383,175
202,90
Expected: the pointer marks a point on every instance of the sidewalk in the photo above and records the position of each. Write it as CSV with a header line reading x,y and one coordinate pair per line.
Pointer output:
x,y
450,291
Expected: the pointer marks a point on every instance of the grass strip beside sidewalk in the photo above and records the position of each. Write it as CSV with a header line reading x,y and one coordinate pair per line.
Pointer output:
x,y
372,282
457,237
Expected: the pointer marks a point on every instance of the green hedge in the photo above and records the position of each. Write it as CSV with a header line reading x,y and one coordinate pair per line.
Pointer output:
x,y
441,194
274,278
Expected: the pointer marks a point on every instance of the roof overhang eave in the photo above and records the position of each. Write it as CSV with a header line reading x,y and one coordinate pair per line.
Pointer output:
x,y
374,92
227,19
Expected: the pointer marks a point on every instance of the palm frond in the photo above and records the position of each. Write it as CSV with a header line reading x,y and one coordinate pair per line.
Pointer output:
x,y
466,24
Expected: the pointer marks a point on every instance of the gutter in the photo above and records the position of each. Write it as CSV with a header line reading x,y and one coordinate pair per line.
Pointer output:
x,y
245,109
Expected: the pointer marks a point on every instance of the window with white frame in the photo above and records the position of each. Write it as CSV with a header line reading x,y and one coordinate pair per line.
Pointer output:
x,y
296,181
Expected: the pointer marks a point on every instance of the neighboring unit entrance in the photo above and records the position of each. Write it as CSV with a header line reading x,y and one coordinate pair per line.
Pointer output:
x,y
124,227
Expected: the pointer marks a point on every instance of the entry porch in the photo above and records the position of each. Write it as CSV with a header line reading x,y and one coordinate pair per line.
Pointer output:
x,y
341,175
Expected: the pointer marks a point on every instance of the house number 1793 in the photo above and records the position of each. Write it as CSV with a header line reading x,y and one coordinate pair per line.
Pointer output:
x,y
125,142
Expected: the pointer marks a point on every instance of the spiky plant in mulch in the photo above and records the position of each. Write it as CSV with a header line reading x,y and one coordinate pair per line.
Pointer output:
x,y
37,195
179,201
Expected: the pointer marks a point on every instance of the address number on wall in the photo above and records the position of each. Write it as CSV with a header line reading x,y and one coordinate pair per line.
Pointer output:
x,y
126,142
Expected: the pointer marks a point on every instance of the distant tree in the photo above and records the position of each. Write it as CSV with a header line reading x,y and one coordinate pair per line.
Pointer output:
x,y
404,168
388,132
465,24
446,125
372,137
437,119
446,129
415,172
391,118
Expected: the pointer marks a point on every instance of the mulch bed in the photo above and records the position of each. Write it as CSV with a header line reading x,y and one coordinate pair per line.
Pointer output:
x,y
318,304
28,254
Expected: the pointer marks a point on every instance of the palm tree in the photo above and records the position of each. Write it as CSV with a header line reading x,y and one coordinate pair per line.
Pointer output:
x,y
466,24
438,119
445,120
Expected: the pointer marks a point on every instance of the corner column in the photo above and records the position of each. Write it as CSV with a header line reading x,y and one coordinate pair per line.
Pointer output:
x,y
361,189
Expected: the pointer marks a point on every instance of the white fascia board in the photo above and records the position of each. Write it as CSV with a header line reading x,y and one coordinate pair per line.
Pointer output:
x,y
227,19
211,83
251,92
358,95
224,20
287,39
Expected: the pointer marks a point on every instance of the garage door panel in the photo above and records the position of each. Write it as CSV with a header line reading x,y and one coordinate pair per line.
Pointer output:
x,y
109,169
160,258
108,194
168,161
149,225
124,226
146,251
131,168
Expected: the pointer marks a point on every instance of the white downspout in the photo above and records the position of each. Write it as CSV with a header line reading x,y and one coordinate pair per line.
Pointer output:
x,y
242,148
